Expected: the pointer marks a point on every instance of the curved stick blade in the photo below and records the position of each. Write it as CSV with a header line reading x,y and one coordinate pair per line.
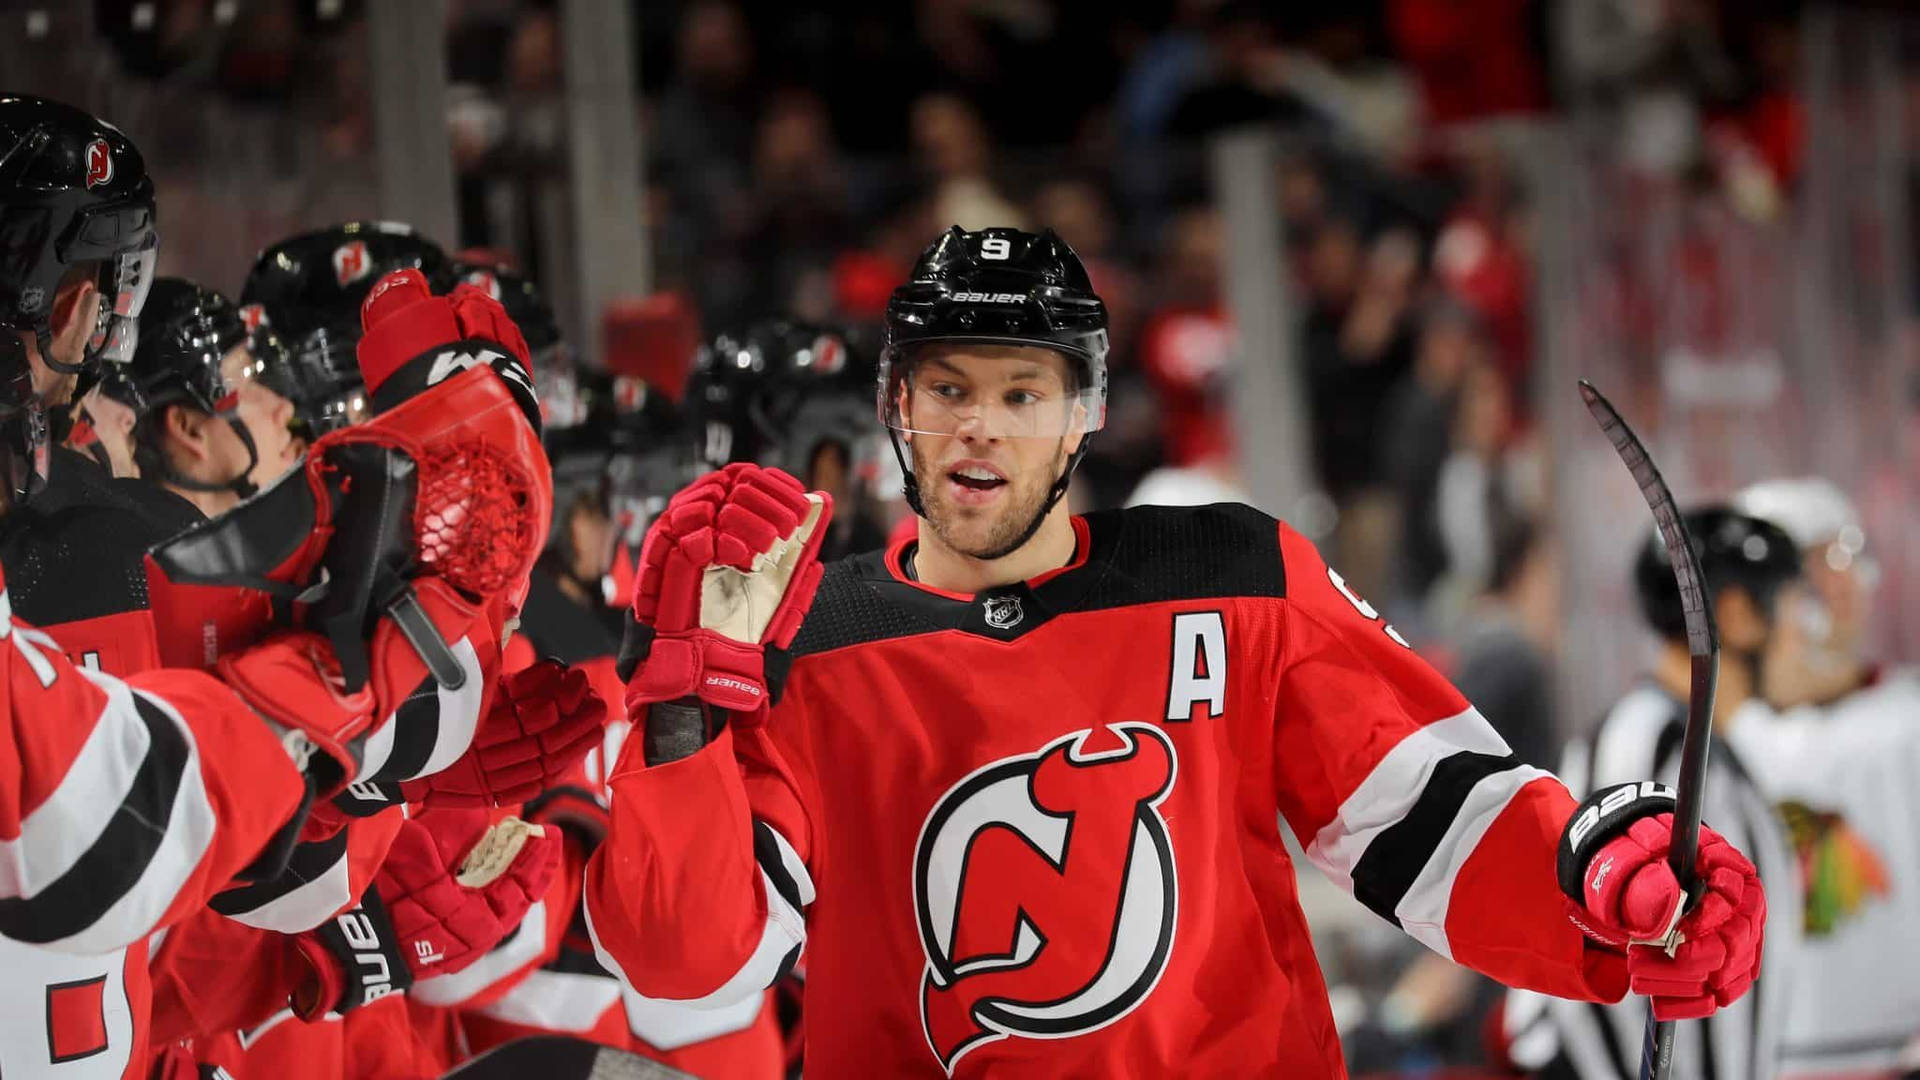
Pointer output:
x,y
1703,634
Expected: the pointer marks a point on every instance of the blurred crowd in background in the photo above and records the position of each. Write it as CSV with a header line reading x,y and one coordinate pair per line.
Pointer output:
x,y
798,155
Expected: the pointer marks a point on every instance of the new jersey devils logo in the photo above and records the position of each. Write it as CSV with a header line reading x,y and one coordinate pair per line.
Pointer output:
x,y
1045,890
99,164
350,262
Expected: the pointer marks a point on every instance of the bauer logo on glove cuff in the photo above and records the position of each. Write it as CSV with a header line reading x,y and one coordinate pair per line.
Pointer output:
x,y
722,682
1611,802
374,972
1604,815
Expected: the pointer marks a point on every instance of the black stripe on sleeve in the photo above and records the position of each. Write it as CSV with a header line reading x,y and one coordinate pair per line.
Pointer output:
x,y
1394,860
766,851
310,861
114,864
416,732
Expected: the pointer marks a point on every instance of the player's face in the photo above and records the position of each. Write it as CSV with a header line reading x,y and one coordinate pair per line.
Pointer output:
x,y
992,429
1794,657
266,416
1842,578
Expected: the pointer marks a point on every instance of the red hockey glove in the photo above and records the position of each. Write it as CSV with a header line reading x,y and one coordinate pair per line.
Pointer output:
x,y
293,679
728,568
402,320
543,720
1613,864
431,910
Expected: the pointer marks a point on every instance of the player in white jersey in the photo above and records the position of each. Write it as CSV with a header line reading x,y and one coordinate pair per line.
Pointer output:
x,y
1752,570
1841,761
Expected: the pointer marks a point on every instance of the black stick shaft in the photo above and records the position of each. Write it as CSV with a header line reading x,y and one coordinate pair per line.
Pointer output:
x,y
1703,643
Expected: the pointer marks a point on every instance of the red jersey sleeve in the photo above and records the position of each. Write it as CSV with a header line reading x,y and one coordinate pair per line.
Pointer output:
x,y
1404,794
213,975
125,805
331,865
697,894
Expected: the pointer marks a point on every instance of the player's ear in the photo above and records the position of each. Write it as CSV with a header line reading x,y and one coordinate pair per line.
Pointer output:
x,y
187,429
76,310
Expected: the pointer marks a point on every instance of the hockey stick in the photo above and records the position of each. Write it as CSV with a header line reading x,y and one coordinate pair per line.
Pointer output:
x,y
1703,644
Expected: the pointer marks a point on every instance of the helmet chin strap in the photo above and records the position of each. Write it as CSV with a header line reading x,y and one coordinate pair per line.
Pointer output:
x,y
43,336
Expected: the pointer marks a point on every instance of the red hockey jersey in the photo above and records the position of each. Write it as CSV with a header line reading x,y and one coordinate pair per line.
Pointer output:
x,y
124,805
1036,831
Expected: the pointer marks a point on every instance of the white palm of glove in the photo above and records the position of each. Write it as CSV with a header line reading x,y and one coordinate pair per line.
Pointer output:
x,y
739,604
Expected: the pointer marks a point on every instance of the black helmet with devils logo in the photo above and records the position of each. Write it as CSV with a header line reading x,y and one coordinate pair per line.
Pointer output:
x,y
75,203
308,289
74,196
774,393
997,286
186,333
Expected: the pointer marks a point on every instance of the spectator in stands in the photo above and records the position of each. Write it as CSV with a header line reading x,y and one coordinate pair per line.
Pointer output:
x,y
952,151
1419,436
1504,650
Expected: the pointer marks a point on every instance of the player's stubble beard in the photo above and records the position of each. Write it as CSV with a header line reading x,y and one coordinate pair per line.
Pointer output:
x,y
1026,500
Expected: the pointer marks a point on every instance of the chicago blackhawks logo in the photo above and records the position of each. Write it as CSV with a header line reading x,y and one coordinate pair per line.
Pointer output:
x,y
99,164
1045,891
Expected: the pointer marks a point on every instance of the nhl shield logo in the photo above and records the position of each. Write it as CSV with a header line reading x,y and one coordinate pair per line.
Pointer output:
x,y
1045,891
1003,612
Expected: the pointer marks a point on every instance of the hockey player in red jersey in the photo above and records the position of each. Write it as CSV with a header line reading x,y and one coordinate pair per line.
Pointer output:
x,y
1016,785
124,803
447,376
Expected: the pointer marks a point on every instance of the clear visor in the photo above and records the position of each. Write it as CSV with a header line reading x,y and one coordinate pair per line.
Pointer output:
x,y
124,281
1004,399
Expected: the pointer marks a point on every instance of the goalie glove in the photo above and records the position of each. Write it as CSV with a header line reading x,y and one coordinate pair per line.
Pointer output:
x,y
1691,960
728,569
543,720
431,909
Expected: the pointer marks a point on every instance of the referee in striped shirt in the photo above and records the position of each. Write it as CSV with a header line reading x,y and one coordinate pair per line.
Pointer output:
x,y
1753,575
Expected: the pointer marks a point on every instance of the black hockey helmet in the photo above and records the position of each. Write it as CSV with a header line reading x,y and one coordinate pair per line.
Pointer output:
x,y
775,393
318,279
624,455
997,286
308,289
73,191
1735,551
186,332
